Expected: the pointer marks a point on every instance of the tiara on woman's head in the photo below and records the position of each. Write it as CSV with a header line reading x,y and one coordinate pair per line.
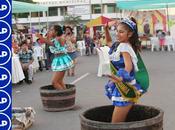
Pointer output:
x,y
130,23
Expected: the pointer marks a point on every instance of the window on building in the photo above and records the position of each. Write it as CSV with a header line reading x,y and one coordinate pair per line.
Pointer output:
x,y
37,14
111,8
40,14
63,11
53,11
96,9
21,15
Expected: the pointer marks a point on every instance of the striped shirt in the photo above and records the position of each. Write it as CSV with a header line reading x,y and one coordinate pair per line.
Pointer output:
x,y
25,57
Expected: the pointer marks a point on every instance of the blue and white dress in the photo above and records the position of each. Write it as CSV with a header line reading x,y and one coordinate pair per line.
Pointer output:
x,y
60,62
117,60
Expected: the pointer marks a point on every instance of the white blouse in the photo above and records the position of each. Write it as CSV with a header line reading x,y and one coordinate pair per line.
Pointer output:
x,y
125,47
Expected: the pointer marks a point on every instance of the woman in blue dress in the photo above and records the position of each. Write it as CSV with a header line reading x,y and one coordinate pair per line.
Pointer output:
x,y
61,61
124,59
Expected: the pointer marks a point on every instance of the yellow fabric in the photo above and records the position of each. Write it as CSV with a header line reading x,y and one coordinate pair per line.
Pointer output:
x,y
94,22
98,21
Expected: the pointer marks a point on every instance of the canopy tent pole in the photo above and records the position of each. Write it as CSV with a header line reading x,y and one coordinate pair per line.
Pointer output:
x,y
90,9
30,14
168,18
120,14
47,20
101,3
39,22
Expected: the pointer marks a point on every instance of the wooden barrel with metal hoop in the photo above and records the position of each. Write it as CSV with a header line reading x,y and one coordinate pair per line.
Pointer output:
x,y
139,118
58,100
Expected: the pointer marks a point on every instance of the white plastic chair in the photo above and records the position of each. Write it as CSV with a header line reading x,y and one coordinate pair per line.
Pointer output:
x,y
104,64
169,43
35,61
105,51
154,43
81,47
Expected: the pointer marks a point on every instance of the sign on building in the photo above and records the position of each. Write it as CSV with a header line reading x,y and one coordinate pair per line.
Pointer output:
x,y
78,10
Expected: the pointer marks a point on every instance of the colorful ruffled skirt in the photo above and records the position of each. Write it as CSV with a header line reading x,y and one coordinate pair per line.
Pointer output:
x,y
113,94
61,63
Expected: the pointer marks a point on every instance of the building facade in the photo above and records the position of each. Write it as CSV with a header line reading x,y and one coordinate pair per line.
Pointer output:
x,y
58,9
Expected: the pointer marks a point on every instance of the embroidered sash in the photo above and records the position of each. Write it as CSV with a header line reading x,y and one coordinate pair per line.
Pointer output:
x,y
127,91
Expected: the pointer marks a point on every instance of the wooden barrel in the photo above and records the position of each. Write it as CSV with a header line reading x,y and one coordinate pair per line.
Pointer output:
x,y
139,118
58,100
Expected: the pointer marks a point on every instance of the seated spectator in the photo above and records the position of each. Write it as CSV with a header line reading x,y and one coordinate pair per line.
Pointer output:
x,y
26,59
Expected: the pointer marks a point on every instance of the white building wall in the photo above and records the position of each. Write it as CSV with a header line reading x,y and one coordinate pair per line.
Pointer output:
x,y
59,18
73,2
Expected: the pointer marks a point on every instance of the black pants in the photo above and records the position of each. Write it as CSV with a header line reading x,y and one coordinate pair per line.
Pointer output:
x,y
87,50
26,75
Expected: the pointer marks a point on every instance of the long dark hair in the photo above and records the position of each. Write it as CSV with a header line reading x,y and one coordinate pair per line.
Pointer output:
x,y
58,29
134,39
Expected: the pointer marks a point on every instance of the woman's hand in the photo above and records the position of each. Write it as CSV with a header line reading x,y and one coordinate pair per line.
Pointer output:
x,y
115,78
113,23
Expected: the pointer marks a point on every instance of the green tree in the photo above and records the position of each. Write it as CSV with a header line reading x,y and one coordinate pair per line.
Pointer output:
x,y
72,20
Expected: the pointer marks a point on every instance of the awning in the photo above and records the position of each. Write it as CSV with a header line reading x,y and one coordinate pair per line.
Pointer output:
x,y
98,21
144,4
23,7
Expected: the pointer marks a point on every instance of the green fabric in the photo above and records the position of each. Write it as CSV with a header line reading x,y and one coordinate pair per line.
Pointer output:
x,y
23,7
142,75
144,4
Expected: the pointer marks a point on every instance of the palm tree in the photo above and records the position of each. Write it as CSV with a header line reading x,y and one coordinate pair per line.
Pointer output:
x,y
72,20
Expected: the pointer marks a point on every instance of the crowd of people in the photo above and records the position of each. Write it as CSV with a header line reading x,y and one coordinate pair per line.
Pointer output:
x,y
39,53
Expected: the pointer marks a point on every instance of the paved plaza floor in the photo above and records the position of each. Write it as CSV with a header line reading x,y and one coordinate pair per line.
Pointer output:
x,y
90,92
